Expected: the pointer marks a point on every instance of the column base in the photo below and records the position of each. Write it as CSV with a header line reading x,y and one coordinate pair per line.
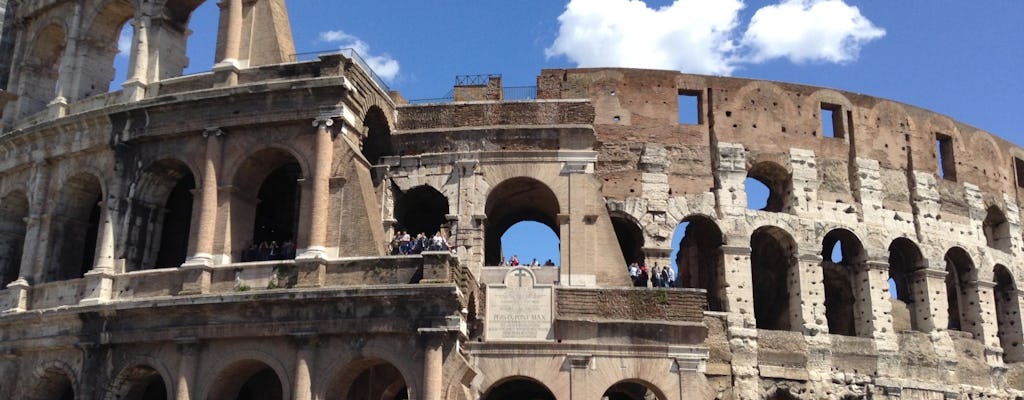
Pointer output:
x,y
226,73
99,287
57,108
134,90
196,279
310,272
17,300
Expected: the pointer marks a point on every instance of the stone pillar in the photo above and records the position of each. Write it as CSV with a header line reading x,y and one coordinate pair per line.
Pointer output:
x,y
135,86
320,177
805,181
99,281
874,304
989,326
59,106
304,346
807,296
208,198
1011,328
227,67
732,172
930,307
433,363
739,293
33,227
188,350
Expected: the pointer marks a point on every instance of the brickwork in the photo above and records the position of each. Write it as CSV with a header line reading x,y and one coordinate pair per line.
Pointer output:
x,y
630,304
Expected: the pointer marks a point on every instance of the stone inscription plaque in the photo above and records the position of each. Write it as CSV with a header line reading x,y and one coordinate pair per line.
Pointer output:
x,y
519,309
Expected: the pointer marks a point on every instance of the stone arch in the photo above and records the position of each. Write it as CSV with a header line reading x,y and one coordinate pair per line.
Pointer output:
x,y
160,209
52,380
377,142
700,260
779,182
962,292
512,201
404,356
266,202
518,387
140,382
630,236
838,280
168,37
98,47
1008,318
40,70
368,378
996,229
633,389
421,209
249,379
772,261
905,260
74,226
14,208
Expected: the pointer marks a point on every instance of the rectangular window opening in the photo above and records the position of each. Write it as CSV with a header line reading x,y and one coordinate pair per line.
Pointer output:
x,y
689,107
946,161
1018,165
832,121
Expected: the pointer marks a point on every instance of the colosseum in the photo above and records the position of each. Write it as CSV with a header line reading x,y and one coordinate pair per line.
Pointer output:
x,y
882,266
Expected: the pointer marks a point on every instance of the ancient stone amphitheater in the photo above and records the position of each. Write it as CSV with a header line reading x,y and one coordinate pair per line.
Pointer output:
x,y
126,219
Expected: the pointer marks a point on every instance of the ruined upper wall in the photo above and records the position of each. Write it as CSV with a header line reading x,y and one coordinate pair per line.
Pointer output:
x,y
633,107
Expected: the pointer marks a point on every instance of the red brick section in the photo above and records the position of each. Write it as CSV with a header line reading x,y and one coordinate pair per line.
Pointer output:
x,y
638,304
489,114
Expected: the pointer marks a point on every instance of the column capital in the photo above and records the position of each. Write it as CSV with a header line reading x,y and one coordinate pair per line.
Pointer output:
x,y
323,121
213,132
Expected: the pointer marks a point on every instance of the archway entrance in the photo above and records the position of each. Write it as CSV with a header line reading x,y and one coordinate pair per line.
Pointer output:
x,y
247,380
962,293
139,383
700,260
631,391
75,226
772,256
512,201
161,216
905,260
268,198
631,238
54,384
518,388
370,379
13,214
842,255
421,209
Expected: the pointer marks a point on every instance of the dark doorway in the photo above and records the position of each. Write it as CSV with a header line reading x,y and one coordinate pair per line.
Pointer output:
x,y
177,221
421,209
631,238
519,389
277,209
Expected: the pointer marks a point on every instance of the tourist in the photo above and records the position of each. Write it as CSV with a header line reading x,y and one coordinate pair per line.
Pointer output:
x,y
656,275
514,261
666,272
549,263
288,250
634,272
643,278
534,263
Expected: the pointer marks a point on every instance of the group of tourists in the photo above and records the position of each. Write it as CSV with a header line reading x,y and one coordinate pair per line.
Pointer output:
x,y
514,262
656,276
404,243
267,251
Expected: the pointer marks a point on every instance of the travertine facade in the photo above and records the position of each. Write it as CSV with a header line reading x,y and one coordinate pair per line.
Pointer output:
x,y
126,220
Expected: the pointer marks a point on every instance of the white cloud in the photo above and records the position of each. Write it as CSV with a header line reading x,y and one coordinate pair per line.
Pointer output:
x,y
705,36
124,41
382,64
689,35
806,30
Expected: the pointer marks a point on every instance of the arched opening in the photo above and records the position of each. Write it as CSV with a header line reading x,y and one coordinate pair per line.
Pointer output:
x,y
98,50
530,243
962,292
631,238
780,394
699,259
1008,315
54,384
776,180
268,195
40,71
13,214
996,229
370,378
511,202
247,380
421,209
139,383
842,254
632,390
905,260
161,216
772,259
516,388
179,38
377,142
74,227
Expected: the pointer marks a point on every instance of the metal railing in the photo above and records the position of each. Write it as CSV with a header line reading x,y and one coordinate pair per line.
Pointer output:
x,y
347,52
511,93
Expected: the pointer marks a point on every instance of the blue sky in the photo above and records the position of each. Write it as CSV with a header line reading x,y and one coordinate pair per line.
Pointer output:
x,y
959,58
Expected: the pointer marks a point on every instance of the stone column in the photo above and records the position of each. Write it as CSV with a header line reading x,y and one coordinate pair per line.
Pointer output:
x,y
188,350
227,67
59,106
208,198
874,306
930,309
99,281
320,181
989,326
807,295
304,343
135,86
433,363
739,293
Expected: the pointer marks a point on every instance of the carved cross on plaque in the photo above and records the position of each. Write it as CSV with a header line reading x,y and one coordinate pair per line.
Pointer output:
x,y
520,273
